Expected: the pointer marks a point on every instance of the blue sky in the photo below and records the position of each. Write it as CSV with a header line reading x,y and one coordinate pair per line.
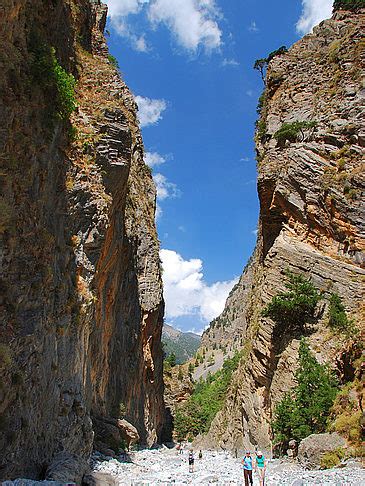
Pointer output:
x,y
189,63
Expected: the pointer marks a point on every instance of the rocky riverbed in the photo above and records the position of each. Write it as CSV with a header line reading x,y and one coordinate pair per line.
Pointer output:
x,y
167,467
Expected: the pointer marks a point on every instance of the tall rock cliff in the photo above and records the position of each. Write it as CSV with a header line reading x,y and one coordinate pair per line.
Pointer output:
x,y
81,293
311,190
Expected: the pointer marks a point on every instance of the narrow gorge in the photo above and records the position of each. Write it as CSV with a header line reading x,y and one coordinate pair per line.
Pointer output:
x,y
82,298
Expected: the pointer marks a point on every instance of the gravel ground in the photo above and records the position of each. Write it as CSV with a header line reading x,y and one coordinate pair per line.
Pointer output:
x,y
167,467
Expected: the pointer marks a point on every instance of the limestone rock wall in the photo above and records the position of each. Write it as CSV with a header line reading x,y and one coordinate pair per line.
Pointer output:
x,y
311,193
81,301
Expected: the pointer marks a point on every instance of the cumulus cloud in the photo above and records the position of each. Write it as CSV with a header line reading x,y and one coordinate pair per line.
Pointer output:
x,y
186,292
165,188
149,110
313,12
193,22
119,11
153,158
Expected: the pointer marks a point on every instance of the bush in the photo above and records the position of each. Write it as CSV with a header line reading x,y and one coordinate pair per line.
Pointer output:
x,y
338,320
58,85
291,131
277,52
306,409
196,415
349,425
122,410
113,61
352,5
295,307
346,411
331,459
261,104
65,84
261,129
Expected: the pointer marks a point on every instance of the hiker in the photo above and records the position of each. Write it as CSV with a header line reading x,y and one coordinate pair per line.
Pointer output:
x,y
181,448
200,454
247,469
191,461
260,467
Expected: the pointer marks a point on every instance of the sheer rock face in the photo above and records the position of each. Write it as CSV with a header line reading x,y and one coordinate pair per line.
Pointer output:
x,y
81,293
311,220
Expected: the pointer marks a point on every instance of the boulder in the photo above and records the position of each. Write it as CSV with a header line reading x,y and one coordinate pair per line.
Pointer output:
x,y
99,479
111,433
129,432
312,448
67,468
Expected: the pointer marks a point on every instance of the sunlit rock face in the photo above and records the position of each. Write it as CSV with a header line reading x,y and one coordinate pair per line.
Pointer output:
x,y
81,292
311,192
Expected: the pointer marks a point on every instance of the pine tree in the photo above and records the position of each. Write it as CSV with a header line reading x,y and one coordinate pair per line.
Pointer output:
x,y
306,409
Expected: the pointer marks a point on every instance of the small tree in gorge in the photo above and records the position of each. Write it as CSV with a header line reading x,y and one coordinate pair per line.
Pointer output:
x,y
296,306
306,409
261,64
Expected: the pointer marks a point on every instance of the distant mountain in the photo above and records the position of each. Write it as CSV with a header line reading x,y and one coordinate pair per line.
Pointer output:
x,y
183,344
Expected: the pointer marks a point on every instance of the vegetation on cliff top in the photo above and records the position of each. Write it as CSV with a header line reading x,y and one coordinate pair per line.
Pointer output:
x,y
195,416
306,409
353,5
261,64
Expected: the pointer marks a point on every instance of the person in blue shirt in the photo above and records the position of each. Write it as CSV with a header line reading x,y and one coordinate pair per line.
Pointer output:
x,y
247,469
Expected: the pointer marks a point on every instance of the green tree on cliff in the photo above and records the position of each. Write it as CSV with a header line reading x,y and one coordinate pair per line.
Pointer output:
x,y
306,409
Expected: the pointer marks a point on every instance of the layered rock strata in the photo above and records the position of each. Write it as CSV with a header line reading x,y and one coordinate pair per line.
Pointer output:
x,y
311,190
81,293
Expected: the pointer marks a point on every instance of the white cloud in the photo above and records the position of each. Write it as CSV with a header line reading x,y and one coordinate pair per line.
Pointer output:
x,y
122,8
118,13
230,62
313,12
165,189
149,110
186,293
193,22
253,27
140,43
153,158
249,93
158,212
245,159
